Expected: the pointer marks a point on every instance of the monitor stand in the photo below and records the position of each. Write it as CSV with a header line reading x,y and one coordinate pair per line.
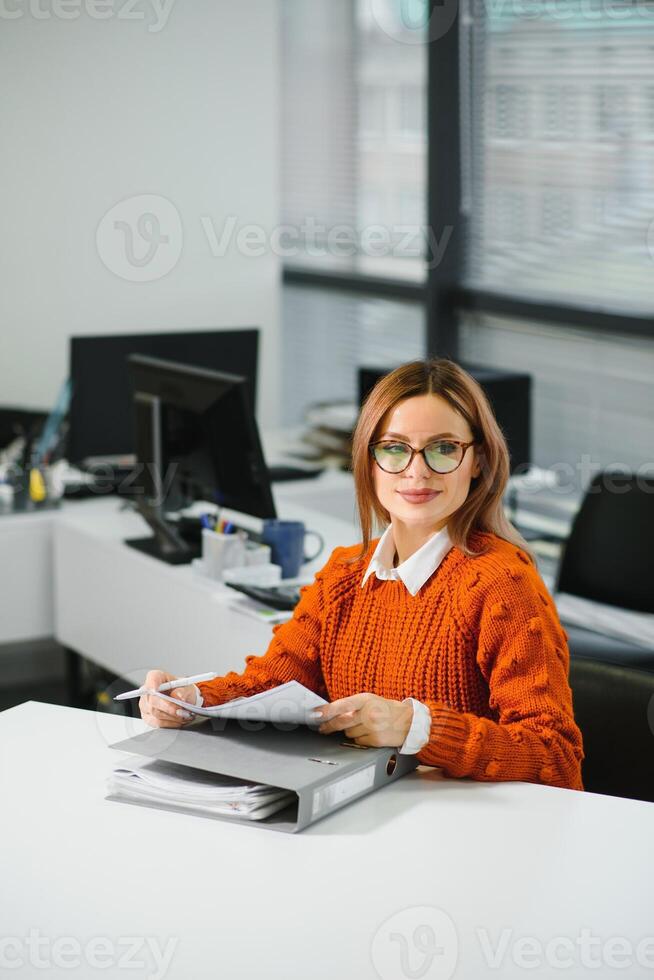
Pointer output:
x,y
153,548
167,544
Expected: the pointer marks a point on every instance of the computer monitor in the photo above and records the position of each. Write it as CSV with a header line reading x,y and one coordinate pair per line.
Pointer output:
x,y
196,439
509,394
100,418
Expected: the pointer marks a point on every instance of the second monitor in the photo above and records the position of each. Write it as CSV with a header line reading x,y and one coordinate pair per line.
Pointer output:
x,y
101,406
197,439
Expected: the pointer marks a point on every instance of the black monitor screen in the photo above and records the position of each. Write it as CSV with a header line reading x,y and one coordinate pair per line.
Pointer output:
x,y
509,394
197,438
101,417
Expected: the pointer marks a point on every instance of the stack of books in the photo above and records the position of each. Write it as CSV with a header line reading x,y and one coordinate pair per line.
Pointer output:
x,y
329,428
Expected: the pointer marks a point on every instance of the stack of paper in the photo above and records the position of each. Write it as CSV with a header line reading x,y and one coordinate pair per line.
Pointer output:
x,y
152,781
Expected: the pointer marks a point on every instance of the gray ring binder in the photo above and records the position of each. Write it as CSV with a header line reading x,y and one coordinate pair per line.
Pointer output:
x,y
324,771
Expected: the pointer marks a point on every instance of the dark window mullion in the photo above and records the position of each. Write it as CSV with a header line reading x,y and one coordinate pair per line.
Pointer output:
x,y
443,180
499,304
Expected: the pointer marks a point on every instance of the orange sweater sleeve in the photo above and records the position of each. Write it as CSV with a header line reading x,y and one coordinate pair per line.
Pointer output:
x,y
293,652
523,656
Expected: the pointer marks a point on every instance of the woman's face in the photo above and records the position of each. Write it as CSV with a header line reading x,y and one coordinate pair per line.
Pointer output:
x,y
419,421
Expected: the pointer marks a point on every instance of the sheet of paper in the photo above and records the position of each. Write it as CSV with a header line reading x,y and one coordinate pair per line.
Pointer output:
x,y
290,703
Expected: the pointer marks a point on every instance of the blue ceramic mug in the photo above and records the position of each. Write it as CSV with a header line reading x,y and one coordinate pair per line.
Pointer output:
x,y
286,541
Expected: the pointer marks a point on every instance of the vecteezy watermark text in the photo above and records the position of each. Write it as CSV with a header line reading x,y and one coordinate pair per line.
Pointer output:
x,y
98,953
155,12
140,239
422,941
419,22
563,952
317,240
142,480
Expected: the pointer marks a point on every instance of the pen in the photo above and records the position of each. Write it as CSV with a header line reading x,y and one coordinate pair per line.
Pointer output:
x,y
168,686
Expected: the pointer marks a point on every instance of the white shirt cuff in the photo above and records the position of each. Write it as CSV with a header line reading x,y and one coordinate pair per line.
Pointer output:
x,y
199,701
420,730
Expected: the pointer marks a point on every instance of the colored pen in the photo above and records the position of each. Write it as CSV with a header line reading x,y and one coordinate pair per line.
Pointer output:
x,y
168,686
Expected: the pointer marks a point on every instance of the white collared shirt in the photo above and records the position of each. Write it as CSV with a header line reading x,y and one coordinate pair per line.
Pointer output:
x,y
414,572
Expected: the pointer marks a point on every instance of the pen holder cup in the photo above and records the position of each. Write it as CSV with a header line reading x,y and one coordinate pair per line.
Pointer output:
x,y
221,551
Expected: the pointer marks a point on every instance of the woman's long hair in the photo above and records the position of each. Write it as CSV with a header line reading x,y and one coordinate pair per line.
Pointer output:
x,y
482,510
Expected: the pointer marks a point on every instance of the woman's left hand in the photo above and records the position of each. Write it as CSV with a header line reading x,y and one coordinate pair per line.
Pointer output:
x,y
367,719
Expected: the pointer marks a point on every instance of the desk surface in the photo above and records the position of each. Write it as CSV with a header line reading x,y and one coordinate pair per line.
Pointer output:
x,y
479,863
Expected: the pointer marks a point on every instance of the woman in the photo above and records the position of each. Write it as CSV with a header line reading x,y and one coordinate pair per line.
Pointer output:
x,y
440,637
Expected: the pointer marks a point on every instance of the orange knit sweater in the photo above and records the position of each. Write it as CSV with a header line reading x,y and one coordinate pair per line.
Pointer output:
x,y
481,644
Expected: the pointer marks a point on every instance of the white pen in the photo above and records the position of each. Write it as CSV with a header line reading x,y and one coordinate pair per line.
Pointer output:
x,y
168,686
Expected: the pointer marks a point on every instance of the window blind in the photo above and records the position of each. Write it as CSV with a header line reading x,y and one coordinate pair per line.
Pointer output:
x,y
354,144
328,335
558,145
592,394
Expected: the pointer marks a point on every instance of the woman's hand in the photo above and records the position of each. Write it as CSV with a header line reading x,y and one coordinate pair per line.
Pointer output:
x,y
160,713
368,719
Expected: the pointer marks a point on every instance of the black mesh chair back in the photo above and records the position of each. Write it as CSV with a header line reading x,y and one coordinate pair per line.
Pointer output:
x,y
609,556
614,709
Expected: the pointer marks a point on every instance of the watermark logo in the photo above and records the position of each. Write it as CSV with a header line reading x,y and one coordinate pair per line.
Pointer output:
x,y
418,943
411,21
140,239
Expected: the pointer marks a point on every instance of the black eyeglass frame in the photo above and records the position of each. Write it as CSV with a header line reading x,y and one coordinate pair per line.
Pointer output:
x,y
398,442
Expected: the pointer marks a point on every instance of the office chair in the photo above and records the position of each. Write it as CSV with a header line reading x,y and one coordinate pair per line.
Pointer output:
x,y
609,558
614,709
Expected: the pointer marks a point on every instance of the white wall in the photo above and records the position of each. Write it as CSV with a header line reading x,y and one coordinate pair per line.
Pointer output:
x,y
95,111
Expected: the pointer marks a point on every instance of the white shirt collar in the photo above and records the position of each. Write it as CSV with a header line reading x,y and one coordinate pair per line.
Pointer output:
x,y
415,571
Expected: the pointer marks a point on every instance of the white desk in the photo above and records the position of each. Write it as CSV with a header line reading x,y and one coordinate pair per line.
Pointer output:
x,y
26,592
533,860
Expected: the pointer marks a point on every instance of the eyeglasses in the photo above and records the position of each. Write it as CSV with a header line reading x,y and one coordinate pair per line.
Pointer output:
x,y
443,456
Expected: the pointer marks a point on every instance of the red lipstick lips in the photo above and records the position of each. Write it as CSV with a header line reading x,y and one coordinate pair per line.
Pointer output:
x,y
418,496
